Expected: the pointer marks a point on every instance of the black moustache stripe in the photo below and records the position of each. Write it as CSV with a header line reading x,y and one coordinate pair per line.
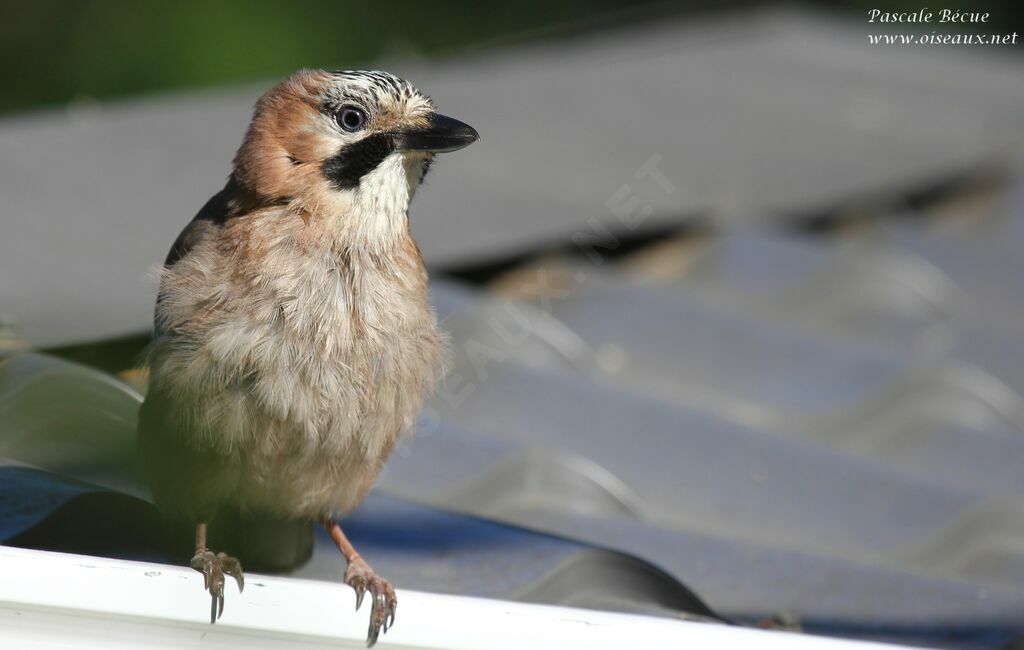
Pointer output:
x,y
345,168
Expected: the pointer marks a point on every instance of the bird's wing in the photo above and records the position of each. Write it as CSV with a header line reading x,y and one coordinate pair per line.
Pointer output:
x,y
174,470
221,207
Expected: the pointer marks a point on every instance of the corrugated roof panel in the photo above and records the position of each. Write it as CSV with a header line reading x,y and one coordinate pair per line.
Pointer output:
x,y
831,427
740,119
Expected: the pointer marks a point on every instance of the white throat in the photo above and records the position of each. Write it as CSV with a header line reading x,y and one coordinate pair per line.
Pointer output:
x,y
381,202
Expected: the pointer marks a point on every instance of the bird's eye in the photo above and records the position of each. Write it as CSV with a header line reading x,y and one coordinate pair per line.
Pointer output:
x,y
351,118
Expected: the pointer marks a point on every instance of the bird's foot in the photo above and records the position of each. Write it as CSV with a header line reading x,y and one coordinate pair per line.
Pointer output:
x,y
214,566
363,579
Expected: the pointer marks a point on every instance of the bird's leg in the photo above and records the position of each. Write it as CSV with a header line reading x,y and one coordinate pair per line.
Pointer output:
x,y
363,579
214,566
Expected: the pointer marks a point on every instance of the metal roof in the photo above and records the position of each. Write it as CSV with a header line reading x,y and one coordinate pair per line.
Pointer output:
x,y
638,419
765,114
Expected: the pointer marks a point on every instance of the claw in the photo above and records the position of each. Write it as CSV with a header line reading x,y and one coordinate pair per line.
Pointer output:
x,y
214,568
360,592
390,620
383,603
233,568
372,634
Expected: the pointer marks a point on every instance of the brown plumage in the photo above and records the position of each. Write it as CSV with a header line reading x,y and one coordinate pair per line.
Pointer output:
x,y
294,336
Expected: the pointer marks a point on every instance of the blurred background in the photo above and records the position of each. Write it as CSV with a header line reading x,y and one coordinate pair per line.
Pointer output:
x,y
736,297
55,51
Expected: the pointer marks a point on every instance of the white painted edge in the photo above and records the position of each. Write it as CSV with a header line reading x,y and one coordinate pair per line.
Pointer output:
x,y
57,600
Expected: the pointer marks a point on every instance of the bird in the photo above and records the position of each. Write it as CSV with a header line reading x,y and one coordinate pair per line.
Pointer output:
x,y
294,339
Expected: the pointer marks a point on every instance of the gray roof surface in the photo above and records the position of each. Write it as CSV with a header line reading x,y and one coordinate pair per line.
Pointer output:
x,y
736,111
828,426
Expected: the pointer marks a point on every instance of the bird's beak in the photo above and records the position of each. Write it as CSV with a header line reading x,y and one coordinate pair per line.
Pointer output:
x,y
442,134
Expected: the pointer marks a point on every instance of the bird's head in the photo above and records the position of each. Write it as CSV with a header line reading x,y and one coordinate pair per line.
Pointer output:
x,y
353,143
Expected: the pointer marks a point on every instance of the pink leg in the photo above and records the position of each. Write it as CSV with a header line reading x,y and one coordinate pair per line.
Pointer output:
x,y
362,578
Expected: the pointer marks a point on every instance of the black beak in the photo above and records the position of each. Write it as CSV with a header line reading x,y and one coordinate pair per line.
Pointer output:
x,y
443,134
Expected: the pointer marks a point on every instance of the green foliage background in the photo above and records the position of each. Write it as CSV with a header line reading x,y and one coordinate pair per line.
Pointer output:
x,y
54,51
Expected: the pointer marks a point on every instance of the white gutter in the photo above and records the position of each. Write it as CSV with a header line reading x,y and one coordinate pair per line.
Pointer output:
x,y
56,600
